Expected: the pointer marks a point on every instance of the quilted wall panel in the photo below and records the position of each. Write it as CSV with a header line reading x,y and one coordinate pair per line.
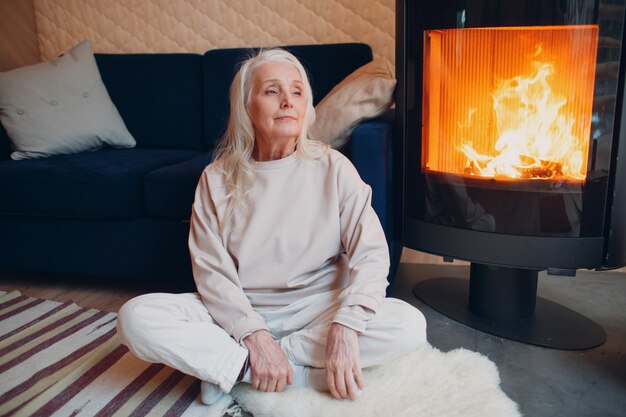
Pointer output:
x,y
133,26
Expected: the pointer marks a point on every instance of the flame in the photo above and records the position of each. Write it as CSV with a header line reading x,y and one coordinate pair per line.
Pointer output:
x,y
534,130
509,102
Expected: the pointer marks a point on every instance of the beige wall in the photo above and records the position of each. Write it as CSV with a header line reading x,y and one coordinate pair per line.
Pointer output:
x,y
34,30
122,26
18,39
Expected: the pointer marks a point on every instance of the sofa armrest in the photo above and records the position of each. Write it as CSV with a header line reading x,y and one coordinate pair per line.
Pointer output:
x,y
370,150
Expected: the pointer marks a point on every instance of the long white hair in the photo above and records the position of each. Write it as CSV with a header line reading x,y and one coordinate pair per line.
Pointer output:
x,y
234,151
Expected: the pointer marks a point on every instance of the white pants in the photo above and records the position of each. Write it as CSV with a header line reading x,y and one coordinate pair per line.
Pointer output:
x,y
177,330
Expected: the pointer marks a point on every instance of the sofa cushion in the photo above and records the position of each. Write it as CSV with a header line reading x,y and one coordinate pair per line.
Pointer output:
x,y
169,191
159,97
103,184
60,107
330,63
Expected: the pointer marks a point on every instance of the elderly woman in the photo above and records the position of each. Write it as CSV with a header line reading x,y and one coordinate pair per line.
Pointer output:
x,y
289,258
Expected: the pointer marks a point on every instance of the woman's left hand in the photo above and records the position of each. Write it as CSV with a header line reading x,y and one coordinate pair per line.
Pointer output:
x,y
343,369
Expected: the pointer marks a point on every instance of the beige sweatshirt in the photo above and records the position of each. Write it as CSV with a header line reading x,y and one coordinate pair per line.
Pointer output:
x,y
309,227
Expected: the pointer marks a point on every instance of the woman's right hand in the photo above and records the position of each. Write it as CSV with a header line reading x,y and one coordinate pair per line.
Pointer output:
x,y
269,366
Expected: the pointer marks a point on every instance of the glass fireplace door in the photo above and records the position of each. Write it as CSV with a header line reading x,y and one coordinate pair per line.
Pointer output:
x,y
506,122
509,104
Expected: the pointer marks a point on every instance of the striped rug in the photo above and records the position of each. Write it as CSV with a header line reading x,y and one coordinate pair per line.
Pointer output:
x,y
59,359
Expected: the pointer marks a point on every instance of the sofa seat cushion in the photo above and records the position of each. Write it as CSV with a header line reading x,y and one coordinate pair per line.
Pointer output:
x,y
169,191
103,184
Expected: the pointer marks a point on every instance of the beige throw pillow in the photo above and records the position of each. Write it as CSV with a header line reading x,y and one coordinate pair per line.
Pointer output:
x,y
362,95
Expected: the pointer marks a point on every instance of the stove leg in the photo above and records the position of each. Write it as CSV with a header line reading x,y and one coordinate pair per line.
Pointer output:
x,y
503,301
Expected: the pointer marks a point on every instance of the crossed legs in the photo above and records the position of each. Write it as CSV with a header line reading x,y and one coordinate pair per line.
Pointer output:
x,y
177,330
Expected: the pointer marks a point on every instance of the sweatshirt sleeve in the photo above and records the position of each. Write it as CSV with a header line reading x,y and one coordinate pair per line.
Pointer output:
x,y
366,247
215,272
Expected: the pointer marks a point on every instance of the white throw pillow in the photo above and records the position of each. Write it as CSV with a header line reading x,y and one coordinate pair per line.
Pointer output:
x,y
60,107
362,95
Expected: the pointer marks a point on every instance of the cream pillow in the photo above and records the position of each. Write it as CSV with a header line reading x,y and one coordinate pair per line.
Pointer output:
x,y
362,95
60,107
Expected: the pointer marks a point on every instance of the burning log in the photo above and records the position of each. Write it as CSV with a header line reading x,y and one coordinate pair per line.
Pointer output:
x,y
536,172
532,169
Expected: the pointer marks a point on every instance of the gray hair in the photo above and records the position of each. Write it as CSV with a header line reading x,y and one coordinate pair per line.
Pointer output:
x,y
234,151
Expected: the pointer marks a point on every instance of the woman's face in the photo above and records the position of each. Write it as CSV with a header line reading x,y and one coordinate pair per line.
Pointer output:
x,y
277,102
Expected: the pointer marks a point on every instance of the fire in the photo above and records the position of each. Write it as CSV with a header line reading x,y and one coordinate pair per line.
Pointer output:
x,y
535,132
509,103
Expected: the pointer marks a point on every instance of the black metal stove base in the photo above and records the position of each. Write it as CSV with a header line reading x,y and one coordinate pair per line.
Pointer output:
x,y
549,325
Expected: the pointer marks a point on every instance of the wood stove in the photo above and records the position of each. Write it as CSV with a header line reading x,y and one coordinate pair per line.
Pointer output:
x,y
512,127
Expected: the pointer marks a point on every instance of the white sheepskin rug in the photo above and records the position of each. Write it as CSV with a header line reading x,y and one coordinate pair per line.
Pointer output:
x,y
425,383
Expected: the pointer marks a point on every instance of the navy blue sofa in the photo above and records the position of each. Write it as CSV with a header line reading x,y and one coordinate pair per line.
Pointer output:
x,y
124,213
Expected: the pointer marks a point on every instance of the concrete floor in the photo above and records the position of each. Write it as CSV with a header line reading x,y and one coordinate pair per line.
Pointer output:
x,y
545,382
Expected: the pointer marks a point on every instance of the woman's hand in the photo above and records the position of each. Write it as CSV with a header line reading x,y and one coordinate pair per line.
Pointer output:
x,y
343,369
269,366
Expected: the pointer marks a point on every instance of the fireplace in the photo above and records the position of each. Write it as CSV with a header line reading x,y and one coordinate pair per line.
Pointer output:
x,y
512,123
